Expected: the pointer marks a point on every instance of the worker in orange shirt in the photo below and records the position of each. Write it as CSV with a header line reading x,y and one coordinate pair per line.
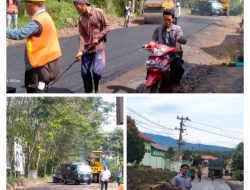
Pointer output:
x,y
42,48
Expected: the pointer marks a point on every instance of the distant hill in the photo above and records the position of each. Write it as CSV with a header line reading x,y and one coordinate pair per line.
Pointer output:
x,y
168,141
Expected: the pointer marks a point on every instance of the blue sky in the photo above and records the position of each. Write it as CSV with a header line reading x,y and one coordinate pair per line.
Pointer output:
x,y
214,111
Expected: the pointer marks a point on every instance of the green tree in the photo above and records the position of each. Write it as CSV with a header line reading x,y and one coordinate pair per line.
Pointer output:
x,y
197,160
55,130
113,145
238,157
170,153
135,145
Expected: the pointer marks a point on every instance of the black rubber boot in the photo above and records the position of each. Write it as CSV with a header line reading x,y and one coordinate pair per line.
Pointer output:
x,y
97,79
87,86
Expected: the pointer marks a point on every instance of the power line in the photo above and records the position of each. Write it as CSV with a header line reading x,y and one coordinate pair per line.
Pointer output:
x,y
136,113
150,125
152,129
148,128
208,125
206,131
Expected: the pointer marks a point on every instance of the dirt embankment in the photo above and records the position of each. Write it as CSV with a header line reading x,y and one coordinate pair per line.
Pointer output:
x,y
146,177
209,57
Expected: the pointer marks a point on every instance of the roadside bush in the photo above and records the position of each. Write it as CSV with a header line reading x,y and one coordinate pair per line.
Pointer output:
x,y
238,175
16,181
64,13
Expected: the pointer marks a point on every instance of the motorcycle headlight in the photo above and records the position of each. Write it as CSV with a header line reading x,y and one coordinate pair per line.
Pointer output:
x,y
158,52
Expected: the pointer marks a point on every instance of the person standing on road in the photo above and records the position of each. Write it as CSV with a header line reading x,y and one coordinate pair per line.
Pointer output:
x,y
199,173
182,179
177,10
12,12
168,34
212,174
42,47
119,175
127,13
193,174
93,27
104,176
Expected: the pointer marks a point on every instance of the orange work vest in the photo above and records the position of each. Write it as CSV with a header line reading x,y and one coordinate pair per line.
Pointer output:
x,y
44,48
12,8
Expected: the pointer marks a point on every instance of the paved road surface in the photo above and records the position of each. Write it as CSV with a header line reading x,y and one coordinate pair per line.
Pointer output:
x,y
208,184
122,54
60,186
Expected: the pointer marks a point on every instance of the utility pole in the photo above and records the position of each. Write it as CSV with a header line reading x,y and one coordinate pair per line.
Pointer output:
x,y
180,141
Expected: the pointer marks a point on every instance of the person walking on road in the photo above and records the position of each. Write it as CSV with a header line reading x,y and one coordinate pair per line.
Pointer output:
x,y
212,174
42,47
177,10
193,174
199,173
182,179
127,13
93,27
119,175
12,12
104,176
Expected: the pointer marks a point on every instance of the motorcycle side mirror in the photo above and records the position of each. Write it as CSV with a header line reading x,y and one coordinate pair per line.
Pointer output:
x,y
182,40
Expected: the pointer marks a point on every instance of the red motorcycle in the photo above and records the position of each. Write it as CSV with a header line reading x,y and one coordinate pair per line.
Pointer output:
x,y
159,79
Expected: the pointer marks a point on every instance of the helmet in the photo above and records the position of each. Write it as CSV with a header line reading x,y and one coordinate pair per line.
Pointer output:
x,y
129,2
177,4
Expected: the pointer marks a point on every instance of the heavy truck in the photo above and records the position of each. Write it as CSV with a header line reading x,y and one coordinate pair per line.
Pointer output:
x,y
96,164
216,166
225,7
153,9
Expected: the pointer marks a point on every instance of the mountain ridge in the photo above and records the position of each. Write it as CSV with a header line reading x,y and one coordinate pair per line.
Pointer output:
x,y
166,142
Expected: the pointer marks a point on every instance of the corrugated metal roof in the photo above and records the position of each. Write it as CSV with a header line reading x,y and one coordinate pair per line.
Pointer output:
x,y
208,157
157,146
145,137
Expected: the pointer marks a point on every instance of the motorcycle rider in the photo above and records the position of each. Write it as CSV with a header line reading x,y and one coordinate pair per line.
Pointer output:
x,y
168,34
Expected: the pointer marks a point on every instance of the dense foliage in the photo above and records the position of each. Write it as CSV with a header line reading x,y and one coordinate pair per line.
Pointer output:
x,y
56,130
238,157
65,15
135,145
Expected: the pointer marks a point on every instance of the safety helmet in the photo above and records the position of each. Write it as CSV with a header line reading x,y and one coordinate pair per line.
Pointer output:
x,y
129,2
177,4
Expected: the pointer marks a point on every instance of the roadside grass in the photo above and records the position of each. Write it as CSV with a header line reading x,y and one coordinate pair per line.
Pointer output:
x,y
22,181
65,15
231,56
